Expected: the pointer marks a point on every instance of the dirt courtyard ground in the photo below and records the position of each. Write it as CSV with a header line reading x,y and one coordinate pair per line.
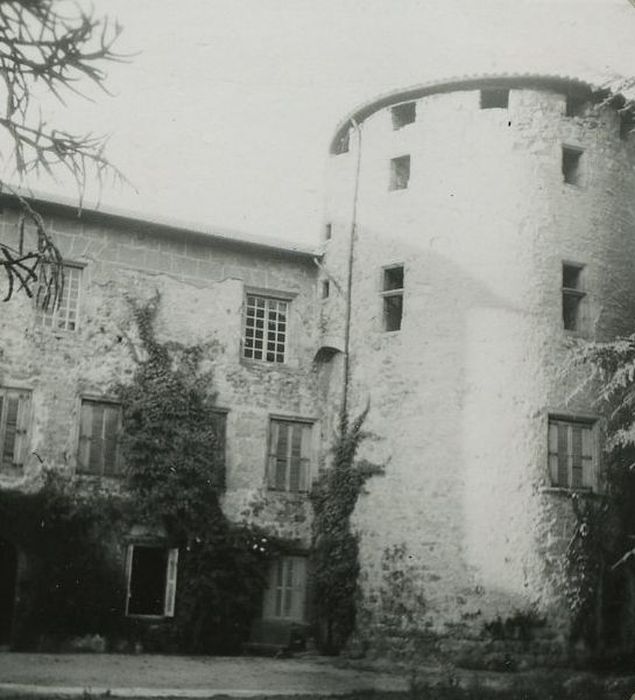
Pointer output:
x,y
123,674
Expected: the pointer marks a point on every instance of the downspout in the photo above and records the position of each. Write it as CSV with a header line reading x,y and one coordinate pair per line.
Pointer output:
x,y
351,258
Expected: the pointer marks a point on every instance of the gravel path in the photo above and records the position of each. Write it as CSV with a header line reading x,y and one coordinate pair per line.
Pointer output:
x,y
123,674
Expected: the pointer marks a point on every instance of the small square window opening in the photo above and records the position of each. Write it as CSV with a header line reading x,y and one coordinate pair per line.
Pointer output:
x,y
399,173
392,297
572,297
573,453
494,99
403,114
571,165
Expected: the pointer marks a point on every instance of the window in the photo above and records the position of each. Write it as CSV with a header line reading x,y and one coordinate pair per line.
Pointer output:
x,y
328,232
219,450
289,455
574,106
494,99
151,572
404,114
572,453
14,415
285,595
392,297
65,314
265,328
326,289
571,165
399,173
572,296
99,429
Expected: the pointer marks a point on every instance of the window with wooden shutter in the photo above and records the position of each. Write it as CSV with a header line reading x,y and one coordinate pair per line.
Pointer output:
x,y
14,421
290,446
573,453
285,595
100,427
151,576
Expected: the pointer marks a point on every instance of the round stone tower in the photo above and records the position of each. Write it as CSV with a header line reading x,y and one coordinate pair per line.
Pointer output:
x,y
483,227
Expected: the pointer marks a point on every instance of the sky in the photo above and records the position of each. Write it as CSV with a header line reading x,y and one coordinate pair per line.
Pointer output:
x,y
224,112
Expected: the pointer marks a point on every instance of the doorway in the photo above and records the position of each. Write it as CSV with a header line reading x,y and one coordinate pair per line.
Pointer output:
x,y
8,575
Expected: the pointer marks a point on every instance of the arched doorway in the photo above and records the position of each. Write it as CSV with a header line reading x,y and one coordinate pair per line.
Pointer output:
x,y
8,573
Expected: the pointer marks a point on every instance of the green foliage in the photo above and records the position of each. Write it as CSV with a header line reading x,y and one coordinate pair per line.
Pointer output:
x,y
335,546
599,588
174,477
74,585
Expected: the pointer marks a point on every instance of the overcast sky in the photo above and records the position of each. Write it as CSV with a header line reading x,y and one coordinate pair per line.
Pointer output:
x,y
225,115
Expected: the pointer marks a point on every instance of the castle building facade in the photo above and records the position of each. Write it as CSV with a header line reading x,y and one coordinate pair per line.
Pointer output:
x,y
475,231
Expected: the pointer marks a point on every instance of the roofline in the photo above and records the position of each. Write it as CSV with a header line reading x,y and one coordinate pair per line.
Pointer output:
x,y
564,84
164,226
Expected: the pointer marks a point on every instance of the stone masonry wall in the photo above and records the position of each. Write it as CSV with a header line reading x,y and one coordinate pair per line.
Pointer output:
x,y
465,520
202,286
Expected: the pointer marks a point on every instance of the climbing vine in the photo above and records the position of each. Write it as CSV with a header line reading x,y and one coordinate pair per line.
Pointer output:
x,y
175,473
335,547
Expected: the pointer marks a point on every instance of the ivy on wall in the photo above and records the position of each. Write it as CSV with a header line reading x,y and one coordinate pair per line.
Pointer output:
x,y
335,548
174,473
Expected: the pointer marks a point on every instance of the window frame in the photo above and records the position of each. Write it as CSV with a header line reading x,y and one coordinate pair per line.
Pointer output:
x,y
308,461
589,479
278,597
171,578
267,296
49,318
22,426
578,293
387,294
118,468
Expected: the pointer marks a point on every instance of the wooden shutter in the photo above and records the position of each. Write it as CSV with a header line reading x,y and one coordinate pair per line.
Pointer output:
x,y
589,457
129,553
281,456
563,457
96,452
298,604
170,583
576,455
269,602
307,452
21,433
112,416
295,457
85,435
11,409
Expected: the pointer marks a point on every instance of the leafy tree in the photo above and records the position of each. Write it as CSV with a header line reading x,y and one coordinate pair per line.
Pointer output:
x,y
46,46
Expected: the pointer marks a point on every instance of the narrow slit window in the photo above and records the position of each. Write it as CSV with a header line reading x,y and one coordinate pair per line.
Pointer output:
x,y
392,297
328,231
326,289
572,165
399,173
494,99
403,114
573,296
